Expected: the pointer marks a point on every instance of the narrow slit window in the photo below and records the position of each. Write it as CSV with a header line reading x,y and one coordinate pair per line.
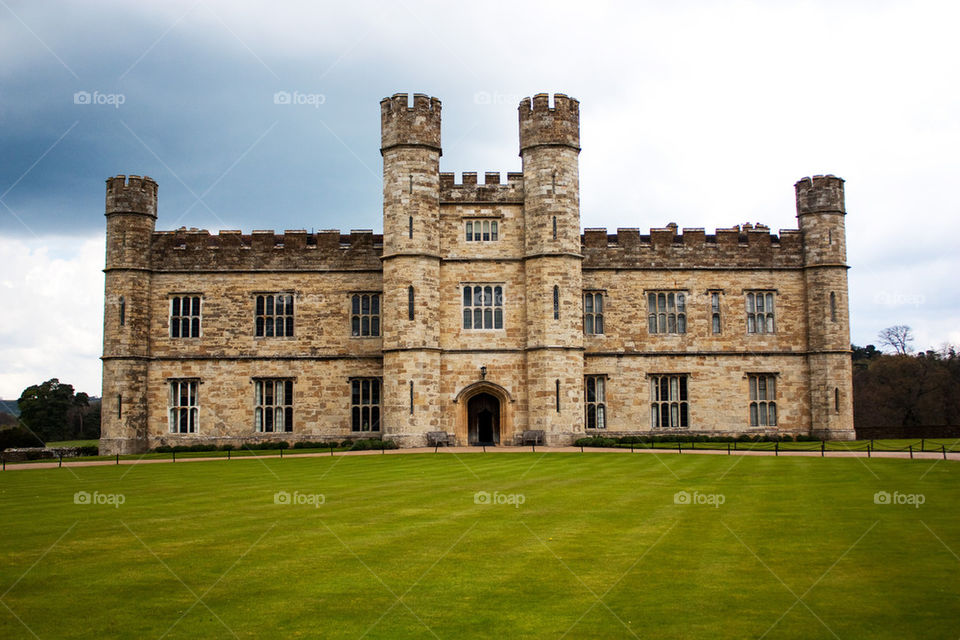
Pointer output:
x,y
410,302
123,311
410,231
556,302
411,397
833,306
119,406
715,320
558,396
554,227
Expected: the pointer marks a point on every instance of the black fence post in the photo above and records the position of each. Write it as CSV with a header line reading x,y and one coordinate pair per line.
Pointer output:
x,y
581,448
118,458
5,461
679,448
533,446
631,447
174,455
331,448
281,454
943,447
823,448
911,451
868,451
923,443
728,448
484,448
60,464
776,449
734,445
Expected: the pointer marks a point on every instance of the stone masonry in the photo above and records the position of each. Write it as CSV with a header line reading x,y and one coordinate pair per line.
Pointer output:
x,y
476,313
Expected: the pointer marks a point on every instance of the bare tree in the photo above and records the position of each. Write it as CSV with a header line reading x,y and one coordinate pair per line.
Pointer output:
x,y
898,337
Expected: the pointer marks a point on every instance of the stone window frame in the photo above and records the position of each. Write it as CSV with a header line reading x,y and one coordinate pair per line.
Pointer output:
x,y
373,315
755,314
716,311
271,405
288,319
481,306
762,390
594,318
661,321
595,410
489,230
672,403
363,406
183,406
177,320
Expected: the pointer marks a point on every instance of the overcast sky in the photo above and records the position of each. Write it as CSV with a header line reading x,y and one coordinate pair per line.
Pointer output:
x,y
699,113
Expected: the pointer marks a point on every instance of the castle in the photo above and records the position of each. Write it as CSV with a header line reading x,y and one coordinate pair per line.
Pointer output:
x,y
482,312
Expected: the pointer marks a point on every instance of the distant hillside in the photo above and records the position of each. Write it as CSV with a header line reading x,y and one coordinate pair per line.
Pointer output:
x,y
9,406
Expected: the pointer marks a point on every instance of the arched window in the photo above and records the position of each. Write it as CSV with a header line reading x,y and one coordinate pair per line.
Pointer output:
x,y
833,306
556,302
410,301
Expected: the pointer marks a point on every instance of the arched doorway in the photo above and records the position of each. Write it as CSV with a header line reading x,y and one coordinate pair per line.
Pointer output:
x,y
483,419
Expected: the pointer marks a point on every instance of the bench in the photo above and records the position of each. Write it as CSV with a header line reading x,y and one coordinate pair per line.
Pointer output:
x,y
532,436
437,438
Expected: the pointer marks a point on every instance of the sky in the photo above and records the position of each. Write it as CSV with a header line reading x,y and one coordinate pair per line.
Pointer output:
x,y
699,113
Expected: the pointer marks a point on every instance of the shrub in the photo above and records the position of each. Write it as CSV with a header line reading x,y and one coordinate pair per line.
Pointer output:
x,y
226,447
596,441
18,437
88,451
373,443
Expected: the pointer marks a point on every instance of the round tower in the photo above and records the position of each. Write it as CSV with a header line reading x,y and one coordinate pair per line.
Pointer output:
x,y
410,146
131,212
821,212
550,149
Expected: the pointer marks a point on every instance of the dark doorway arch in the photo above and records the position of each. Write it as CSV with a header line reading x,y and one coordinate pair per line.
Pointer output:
x,y
483,419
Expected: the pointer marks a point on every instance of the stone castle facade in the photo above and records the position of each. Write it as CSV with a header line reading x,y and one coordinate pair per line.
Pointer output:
x,y
482,311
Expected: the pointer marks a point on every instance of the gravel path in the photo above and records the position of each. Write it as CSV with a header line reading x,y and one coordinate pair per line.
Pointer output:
x,y
928,455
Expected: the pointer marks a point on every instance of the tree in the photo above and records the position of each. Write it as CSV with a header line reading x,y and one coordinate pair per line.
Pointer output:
x,y
898,337
44,409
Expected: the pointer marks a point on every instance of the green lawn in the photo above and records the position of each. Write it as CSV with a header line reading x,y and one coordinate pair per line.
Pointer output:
x,y
74,443
399,548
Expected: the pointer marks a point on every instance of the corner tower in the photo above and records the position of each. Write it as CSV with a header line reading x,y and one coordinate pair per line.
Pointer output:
x,y
550,149
410,146
131,211
821,212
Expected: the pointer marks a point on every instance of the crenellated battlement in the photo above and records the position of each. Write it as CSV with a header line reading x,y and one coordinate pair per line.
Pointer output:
x,y
405,125
131,194
293,250
820,194
746,246
541,124
492,190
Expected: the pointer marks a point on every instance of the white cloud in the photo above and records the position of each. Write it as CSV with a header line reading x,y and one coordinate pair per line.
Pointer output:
x,y
53,320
